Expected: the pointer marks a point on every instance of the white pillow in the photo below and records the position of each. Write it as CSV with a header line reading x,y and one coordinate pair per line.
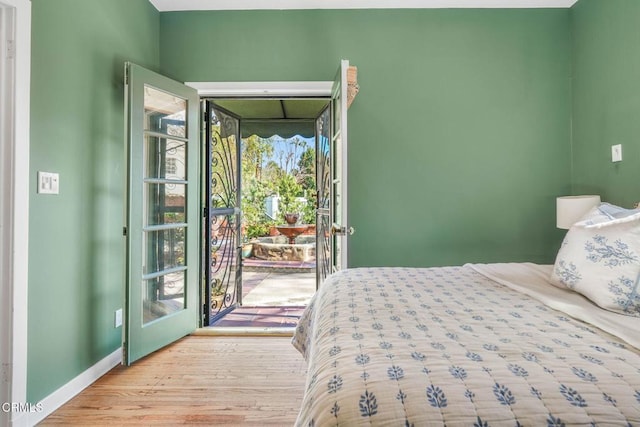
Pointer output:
x,y
600,259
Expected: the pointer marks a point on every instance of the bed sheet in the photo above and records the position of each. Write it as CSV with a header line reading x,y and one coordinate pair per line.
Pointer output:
x,y
392,346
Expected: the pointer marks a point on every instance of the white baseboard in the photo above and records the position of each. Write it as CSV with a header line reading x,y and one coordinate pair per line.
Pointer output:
x,y
72,388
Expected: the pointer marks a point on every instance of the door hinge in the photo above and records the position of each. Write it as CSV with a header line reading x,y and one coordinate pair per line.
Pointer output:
x,y
5,374
11,49
126,75
124,231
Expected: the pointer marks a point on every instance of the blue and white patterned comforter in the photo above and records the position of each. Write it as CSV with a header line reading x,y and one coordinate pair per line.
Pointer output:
x,y
450,346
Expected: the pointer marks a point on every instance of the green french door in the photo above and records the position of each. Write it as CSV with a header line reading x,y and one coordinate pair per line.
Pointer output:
x,y
331,181
162,221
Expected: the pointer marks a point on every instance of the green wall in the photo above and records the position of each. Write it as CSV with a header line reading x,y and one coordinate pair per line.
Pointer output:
x,y
76,260
459,140
467,127
606,98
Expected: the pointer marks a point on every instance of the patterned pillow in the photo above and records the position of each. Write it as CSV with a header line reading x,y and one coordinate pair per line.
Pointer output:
x,y
600,259
605,212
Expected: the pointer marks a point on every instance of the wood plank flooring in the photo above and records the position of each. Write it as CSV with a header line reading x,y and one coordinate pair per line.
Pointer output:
x,y
239,381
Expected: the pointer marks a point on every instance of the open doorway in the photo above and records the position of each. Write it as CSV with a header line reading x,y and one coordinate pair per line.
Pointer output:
x,y
261,191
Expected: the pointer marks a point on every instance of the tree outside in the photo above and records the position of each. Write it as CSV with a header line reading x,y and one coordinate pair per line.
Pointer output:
x,y
276,168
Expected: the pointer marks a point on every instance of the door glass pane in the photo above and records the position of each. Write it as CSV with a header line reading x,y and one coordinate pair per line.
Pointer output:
x,y
164,112
337,200
165,203
162,296
166,158
336,160
165,249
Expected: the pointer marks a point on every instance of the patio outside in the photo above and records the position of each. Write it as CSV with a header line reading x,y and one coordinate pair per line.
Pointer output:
x,y
278,231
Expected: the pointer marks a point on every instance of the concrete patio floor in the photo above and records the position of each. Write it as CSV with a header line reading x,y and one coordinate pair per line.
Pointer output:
x,y
278,288
273,298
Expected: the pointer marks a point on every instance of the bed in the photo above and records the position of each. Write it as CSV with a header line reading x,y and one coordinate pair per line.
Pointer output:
x,y
514,344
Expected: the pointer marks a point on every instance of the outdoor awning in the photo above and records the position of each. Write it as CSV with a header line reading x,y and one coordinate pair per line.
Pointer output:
x,y
283,128
267,117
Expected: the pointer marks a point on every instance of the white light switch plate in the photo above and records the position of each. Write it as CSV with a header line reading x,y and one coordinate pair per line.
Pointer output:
x,y
118,318
48,183
616,153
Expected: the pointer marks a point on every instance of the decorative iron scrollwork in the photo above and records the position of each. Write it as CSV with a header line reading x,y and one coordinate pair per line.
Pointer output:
x,y
223,217
323,183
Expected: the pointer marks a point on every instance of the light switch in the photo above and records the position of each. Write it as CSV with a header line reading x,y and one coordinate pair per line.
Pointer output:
x,y
118,318
616,153
48,183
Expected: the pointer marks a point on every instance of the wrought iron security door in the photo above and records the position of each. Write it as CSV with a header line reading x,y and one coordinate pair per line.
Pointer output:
x,y
324,245
222,257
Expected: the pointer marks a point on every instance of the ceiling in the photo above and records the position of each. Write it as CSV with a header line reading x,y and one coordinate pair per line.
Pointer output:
x,y
175,5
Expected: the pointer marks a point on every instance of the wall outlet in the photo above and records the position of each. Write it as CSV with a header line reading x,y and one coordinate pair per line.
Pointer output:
x,y
118,318
616,153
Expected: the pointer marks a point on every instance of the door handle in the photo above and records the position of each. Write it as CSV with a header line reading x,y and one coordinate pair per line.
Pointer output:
x,y
338,230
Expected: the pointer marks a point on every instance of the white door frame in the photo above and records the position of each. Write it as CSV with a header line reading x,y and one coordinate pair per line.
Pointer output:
x,y
273,89
14,220
262,89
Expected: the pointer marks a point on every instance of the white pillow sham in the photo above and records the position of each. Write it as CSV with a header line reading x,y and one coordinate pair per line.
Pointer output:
x,y
605,212
600,259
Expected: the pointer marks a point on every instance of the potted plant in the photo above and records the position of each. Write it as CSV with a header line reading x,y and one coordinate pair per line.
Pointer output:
x,y
247,249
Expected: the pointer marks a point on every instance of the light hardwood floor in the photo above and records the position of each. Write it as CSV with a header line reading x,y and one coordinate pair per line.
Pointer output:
x,y
239,381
